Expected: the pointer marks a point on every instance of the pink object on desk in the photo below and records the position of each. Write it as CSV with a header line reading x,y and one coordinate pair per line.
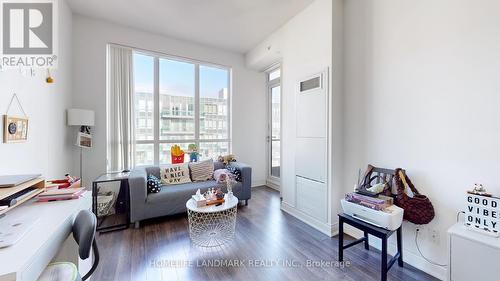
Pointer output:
x,y
58,197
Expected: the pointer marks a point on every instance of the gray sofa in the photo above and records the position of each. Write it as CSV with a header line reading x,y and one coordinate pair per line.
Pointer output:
x,y
172,198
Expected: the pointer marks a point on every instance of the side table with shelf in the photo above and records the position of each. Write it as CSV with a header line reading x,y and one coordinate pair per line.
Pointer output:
x,y
121,205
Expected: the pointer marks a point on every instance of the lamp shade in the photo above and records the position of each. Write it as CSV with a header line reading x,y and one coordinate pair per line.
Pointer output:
x,y
80,117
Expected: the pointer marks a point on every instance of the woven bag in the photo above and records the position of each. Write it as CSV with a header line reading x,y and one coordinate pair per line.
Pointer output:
x,y
419,209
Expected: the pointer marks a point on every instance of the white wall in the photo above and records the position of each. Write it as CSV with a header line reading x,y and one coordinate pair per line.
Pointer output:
x,y
422,92
304,47
89,88
48,149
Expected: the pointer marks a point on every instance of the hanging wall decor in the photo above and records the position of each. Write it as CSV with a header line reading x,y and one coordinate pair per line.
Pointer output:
x,y
15,128
84,140
49,78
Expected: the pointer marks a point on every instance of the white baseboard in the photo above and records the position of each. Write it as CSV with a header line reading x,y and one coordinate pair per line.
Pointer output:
x,y
256,183
326,228
409,257
273,185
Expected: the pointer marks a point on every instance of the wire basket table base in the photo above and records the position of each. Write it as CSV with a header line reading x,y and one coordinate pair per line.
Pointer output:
x,y
212,229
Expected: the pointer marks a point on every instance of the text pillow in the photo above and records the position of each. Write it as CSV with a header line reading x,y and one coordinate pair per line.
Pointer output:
x,y
175,174
202,171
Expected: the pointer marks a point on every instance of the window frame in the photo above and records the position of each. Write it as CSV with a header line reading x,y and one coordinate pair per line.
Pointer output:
x,y
156,98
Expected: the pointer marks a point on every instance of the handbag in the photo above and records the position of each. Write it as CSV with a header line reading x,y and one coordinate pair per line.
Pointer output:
x,y
417,209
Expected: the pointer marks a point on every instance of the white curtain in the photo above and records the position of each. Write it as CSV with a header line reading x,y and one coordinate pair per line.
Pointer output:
x,y
120,109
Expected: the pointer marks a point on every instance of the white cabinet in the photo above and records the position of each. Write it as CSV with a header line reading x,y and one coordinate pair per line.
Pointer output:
x,y
473,255
312,198
311,147
311,159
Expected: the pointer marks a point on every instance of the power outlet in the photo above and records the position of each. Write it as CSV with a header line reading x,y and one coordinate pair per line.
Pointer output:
x,y
434,236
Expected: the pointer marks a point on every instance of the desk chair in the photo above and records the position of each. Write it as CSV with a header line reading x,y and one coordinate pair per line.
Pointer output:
x,y
83,230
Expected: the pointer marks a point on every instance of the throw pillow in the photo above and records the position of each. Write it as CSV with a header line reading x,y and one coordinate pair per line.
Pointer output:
x,y
236,172
154,184
175,174
222,175
202,171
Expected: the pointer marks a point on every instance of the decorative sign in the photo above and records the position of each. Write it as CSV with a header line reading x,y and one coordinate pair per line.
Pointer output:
x,y
15,129
482,214
175,174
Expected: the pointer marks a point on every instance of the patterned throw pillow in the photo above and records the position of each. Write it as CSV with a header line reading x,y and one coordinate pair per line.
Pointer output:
x,y
202,171
236,172
154,184
175,174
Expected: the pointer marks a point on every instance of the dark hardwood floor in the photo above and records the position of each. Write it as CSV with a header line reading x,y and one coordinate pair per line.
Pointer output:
x,y
269,245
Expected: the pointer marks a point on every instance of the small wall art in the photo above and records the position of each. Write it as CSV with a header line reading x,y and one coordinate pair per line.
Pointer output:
x,y
84,140
15,129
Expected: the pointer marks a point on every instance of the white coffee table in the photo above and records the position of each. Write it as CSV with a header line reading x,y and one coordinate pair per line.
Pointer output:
x,y
211,226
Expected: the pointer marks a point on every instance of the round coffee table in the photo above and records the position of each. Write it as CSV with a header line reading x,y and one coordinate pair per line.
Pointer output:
x,y
211,226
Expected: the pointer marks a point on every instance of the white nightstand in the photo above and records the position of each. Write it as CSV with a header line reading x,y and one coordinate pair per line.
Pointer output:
x,y
473,255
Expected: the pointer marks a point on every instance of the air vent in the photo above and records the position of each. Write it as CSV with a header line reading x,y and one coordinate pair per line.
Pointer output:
x,y
310,84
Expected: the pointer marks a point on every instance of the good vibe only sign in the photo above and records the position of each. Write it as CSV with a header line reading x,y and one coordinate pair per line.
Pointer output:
x,y
482,213
28,34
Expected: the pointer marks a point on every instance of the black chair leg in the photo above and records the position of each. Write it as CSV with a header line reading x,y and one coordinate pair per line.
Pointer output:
x,y
400,246
367,245
383,269
341,240
246,202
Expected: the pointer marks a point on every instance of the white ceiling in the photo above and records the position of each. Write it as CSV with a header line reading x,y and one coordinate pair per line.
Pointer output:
x,y
236,25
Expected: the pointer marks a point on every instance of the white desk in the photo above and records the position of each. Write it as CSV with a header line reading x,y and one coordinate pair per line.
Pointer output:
x,y
46,241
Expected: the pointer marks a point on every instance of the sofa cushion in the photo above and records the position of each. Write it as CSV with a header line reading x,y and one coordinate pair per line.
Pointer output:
x,y
153,170
180,191
175,174
219,165
202,171
222,175
179,194
154,184
236,172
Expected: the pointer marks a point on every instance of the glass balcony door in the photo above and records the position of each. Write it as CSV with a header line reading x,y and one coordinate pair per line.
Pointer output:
x,y
275,131
274,127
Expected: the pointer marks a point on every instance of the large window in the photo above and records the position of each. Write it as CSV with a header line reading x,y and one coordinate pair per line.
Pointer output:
x,y
179,102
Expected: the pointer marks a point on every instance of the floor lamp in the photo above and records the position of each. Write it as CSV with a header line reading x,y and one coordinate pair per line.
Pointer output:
x,y
84,119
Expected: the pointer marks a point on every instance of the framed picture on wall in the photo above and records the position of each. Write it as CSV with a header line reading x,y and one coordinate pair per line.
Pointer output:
x,y
15,129
84,140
